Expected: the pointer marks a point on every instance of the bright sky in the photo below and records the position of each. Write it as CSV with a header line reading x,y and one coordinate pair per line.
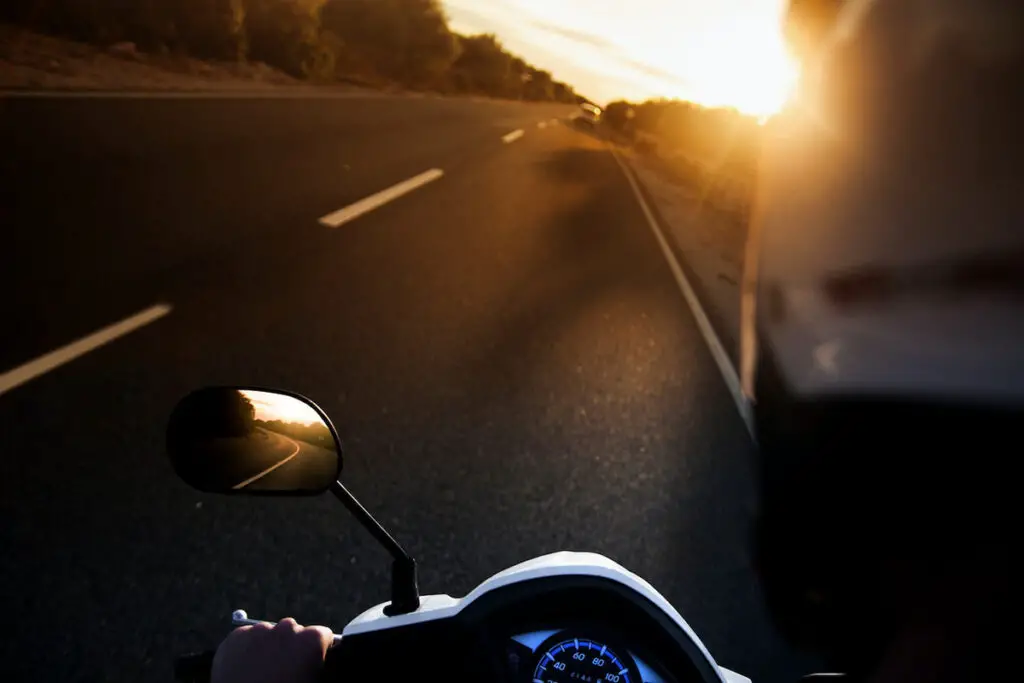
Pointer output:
x,y
271,407
716,52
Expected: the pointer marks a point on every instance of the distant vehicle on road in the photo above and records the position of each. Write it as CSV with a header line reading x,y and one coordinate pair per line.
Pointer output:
x,y
589,114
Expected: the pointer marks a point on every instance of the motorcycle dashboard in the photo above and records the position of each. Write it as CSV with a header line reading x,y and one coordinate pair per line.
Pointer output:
x,y
567,628
572,654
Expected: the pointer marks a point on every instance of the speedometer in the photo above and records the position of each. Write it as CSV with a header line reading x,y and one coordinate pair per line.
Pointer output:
x,y
582,659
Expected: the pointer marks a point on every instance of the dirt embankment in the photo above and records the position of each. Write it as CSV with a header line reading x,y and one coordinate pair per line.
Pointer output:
x,y
32,61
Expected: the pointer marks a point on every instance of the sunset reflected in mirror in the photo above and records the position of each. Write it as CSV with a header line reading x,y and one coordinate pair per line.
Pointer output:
x,y
229,440
271,407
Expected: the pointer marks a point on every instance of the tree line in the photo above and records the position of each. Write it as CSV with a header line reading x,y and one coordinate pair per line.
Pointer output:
x,y
715,136
368,42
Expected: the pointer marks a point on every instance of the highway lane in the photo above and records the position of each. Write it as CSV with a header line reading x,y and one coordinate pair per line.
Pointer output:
x,y
503,350
112,199
292,464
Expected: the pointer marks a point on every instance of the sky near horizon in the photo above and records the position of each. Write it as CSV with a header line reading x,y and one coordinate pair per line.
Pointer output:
x,y
715,52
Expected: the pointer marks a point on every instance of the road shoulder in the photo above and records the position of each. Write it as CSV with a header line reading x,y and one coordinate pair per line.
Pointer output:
x,y
707,241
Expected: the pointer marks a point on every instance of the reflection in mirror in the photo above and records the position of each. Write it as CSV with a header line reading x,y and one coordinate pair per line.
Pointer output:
x,y
227,440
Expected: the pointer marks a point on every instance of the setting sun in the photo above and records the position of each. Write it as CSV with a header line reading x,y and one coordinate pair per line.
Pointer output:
x,y
727,53
743,64
271,406
758,78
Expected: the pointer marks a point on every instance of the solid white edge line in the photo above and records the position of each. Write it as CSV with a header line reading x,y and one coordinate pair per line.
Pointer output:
x,y
272,467
718,352
29,371
367,204
513,136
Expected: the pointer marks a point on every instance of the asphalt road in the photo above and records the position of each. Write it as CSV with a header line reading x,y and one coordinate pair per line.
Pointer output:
x,y
287,465
504,351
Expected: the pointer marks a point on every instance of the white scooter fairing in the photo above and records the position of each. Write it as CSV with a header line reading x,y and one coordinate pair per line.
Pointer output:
x,y
559,564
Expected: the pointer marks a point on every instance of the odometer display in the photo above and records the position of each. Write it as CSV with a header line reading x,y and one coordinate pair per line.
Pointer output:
x,y
581,659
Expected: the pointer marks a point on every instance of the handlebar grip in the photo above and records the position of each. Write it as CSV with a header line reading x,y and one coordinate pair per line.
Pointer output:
x,y
194,668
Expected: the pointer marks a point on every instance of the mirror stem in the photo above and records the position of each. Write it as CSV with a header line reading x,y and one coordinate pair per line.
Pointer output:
x,y
405,592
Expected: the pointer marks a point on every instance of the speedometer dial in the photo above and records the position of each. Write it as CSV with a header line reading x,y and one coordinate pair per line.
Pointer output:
x,y
581,659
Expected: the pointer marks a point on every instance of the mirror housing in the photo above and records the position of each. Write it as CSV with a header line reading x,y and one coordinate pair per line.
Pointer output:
x,y
251,441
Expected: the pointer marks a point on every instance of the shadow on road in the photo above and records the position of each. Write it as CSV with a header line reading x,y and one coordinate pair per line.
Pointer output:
x,y
579,267
518,374
595,346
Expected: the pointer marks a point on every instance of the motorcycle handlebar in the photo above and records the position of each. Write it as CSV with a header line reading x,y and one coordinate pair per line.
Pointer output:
x,y
196,668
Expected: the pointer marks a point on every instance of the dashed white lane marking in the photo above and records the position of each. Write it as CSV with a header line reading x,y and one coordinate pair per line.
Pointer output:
x,y
513,136
367,204
29,371
725,365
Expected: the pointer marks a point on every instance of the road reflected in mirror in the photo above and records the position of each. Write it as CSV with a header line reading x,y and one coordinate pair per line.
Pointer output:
x,y
227,440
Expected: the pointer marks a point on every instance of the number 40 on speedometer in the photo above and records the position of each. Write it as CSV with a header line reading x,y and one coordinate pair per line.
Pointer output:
x,y
580,659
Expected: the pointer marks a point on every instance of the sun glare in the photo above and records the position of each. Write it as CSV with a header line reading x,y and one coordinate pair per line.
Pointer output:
x,y
270,406
744,64
756,75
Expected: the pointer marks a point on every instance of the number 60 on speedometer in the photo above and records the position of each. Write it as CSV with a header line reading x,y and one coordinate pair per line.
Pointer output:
x,y
581,659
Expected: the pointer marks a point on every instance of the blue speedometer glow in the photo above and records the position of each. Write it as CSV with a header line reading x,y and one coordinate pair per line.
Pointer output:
x,y
581,659
534,639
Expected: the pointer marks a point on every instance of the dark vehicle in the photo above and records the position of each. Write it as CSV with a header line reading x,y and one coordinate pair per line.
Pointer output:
x,y
590,114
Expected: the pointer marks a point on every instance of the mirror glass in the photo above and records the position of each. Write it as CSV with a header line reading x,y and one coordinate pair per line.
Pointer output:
x,y
230,440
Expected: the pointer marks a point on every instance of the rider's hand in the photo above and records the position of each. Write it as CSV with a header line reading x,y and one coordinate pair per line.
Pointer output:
x,y
284,653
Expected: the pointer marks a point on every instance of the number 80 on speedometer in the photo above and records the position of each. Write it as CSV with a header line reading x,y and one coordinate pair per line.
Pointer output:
x,y
584,660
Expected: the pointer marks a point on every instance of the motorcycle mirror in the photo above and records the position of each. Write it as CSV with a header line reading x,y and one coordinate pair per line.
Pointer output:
x,y
254,442
264,442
